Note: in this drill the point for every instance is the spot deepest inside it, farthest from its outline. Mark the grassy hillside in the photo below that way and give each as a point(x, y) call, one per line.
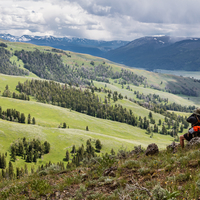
point(48, 118)
point(179, 99)
point(163, 82)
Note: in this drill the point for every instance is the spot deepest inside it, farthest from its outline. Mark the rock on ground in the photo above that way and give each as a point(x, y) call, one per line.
point(152, 149)
point(193, 142)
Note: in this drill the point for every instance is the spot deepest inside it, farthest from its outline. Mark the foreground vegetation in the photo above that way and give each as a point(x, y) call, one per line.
point(120, 175)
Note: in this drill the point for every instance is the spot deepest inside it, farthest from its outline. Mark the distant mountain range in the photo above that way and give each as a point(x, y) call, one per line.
point(80, 45)
point(161, 52)
point(150, 53)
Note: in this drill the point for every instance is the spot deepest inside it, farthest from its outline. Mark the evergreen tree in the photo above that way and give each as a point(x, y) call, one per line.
point(11, 170)
point(33, 120)
point(73, 149)
point(13, 153)
point(87, 129)
point(112, 152)
point(46, 147)
point(29, 118)
point(98, 145)
point(64, 125)
point(148, 130)
point(35, 157)
point(164, 130)
point(3, 160)
point(17, 172)
point(155, 130)
point(23, 118)
point(67, 156)
point(150, 114)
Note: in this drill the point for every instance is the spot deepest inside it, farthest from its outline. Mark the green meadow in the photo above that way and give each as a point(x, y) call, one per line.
point(48, 117)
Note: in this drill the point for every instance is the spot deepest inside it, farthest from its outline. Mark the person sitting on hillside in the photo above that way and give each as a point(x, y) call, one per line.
point(194, 119)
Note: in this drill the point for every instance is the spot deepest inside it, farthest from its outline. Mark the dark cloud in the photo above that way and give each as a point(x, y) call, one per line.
point(102, 19)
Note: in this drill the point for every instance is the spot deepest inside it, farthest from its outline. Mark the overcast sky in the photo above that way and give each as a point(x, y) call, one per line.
point(101, 19)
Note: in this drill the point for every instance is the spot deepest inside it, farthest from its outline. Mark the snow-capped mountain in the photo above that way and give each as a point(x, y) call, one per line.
point(81, 45)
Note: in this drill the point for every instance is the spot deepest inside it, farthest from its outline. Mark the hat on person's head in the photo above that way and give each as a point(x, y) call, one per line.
point(197, 111)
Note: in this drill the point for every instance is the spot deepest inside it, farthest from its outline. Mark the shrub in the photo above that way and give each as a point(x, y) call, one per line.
point(131, 164)
point(159, 193)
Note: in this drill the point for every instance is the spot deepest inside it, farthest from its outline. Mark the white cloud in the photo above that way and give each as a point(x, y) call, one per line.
point(101, 19)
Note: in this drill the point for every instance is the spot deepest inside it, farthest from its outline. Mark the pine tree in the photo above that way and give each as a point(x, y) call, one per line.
point(35, 157)
point(164, 130)
point(29, 119)
point(33, 120)
point(98, 144)
point(10, 170)
point(67, 156)
point(3, 160)
point(87, 129)
point(64, 125)
point(150, 114)
point(112, 152)
point(148, 130)
point(46, 147)
point(155, 129)
point(13, 153)
point(73, 149)
point(17, 172)
point(23, 118)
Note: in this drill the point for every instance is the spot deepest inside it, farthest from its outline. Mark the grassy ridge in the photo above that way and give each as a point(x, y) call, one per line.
point(112, 134)
point(179, 99)
point(83, 60)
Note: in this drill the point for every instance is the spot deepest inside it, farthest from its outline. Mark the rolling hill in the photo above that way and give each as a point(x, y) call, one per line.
point(121, 165)
point(50, 117)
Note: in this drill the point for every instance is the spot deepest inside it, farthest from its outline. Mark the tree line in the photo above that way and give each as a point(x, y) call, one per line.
point(158, 104)
point(15, 116)
point(82, 101)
